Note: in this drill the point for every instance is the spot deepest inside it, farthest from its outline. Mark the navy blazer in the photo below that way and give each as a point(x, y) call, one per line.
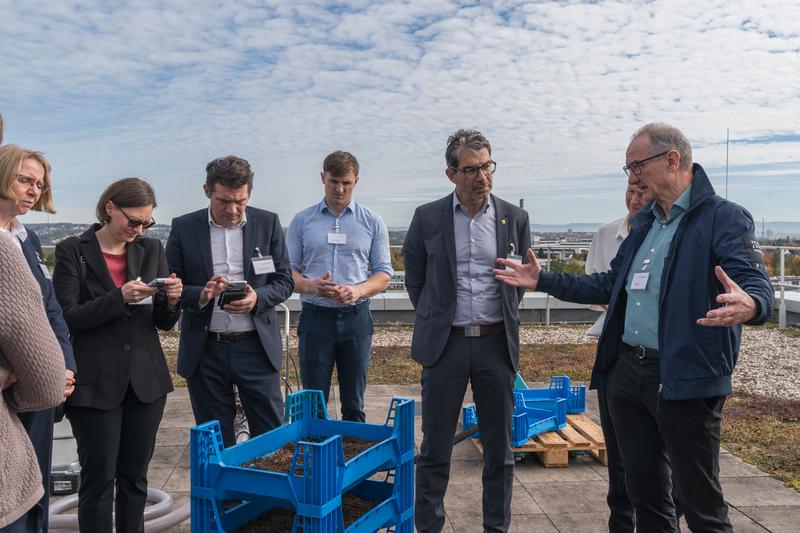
point(32, 249)
point(429, 253)
point(189, 256)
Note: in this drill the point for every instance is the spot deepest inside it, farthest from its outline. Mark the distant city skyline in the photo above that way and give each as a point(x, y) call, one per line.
point(156, 90)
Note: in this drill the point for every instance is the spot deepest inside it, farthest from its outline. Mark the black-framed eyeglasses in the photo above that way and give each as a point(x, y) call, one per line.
point(471, 172)
point(636, 166)
point(29, 182)
point(135, 222)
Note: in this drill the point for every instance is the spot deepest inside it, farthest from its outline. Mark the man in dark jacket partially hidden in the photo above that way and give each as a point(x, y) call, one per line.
point(686, 278)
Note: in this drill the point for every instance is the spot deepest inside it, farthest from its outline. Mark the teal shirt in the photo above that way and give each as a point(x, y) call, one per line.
point(641, 311)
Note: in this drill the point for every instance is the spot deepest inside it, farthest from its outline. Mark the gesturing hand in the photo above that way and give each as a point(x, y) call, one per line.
point(524, 276)
point(737, 306)
point(347, 294)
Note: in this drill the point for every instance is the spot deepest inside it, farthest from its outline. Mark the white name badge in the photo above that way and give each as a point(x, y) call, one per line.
point(263, 265)
point(337, 238)
point(639, 281)
point(45, 271)
point(514, 258)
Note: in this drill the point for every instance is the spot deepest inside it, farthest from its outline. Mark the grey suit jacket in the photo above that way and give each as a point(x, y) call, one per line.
point(189, 256)
point(430, 265)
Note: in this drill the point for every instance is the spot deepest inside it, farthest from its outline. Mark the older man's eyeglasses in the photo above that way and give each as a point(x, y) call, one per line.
point(31, 182)
point(135, 222)
point(636, 166)
point(471, 172)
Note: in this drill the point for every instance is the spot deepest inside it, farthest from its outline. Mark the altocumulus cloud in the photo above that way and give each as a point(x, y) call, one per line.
point(156, 89)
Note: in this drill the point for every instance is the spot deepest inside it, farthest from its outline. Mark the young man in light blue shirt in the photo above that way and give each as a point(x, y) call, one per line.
point(339, 254)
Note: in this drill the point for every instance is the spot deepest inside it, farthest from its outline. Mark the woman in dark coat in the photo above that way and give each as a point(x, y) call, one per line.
point(102, 280)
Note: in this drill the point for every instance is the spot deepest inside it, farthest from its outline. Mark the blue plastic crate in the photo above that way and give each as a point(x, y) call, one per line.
point(559, 387)
point(318, 475)
point(530, 418)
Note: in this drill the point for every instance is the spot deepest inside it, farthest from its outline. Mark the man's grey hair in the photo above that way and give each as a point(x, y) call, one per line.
point(664, 137)
point(470, 139)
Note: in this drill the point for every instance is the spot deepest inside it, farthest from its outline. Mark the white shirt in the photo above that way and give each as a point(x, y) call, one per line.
point(601, 252)
point(227, 256)
point(17, 232)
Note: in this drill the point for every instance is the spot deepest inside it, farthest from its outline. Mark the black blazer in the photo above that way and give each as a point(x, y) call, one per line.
point(115, 344)
point(189, 255)
point(32, 250)
point(429, 252)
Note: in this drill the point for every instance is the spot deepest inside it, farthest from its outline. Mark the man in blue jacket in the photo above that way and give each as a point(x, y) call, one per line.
point(686, 278)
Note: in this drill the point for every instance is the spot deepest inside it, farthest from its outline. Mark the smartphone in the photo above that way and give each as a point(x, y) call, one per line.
point(234, 290)
point(158, 283)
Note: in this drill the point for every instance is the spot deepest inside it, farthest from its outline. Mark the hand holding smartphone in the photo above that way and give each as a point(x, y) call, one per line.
point(234, 290)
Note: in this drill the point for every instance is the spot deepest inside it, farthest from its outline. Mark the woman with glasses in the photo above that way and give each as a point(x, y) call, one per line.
point(116, 289)
point(25, 186)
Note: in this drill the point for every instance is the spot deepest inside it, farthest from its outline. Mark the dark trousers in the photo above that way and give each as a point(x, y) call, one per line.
point(622, 518)
point(484, 362)
point(661, 440)
point(39, 425)
point(340, 336)
point(245, 364)
point(115, 445)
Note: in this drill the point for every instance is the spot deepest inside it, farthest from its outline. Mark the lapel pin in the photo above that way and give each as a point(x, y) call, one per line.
point(504, 221)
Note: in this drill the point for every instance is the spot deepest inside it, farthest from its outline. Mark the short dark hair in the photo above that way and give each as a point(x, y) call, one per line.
point(339, 163)
point(470, 139)
point(127, 192)
point(229, 171)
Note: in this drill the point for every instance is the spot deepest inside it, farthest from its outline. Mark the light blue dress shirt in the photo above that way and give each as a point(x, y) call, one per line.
point(478, 300)
point(365, 253)
point(642, 308)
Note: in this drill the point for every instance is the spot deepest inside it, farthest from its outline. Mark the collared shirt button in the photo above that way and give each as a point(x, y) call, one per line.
point(638, 303)
point(127, 347)
point(636, 332)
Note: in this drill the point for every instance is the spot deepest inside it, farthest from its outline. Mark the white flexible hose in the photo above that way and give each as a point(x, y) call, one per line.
point(157, 516)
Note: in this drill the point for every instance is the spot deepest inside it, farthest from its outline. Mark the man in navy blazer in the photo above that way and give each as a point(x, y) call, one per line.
point(466, 327)
point(238, 344)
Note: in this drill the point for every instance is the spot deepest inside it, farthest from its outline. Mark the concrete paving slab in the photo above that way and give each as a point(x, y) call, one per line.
point(531, 471)
point(580, 522)
point(758, 491)
point(519, 524)
point(775, 518)
point(570, 496)
point(379, 391)
point(739, 521)
point(166, 456)
point(468, 502)
point(732, 466)
point(172, 436)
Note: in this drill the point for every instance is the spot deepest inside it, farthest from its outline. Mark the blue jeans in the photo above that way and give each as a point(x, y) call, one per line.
point(340, 336)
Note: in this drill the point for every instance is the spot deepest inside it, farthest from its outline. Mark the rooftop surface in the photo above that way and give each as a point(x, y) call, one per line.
point(545, 500)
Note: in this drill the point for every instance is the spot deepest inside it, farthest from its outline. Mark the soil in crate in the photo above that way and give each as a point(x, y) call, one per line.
point(281, 519)
point(281, 460)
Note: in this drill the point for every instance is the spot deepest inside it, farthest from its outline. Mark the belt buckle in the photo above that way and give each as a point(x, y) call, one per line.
point(640, 352)
point(472, 331)
point(217, 336)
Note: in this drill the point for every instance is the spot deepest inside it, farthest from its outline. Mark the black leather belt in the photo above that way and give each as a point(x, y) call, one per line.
point(477, 331)
point(231, 337)
point(641, 352)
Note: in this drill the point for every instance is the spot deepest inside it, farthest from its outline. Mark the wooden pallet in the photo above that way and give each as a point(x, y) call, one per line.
point(552, 449)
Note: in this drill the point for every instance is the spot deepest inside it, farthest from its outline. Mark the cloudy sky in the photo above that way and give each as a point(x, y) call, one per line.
point(156, 89)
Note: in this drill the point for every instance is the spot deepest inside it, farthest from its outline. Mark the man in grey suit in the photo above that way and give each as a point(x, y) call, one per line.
point(466, 327)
